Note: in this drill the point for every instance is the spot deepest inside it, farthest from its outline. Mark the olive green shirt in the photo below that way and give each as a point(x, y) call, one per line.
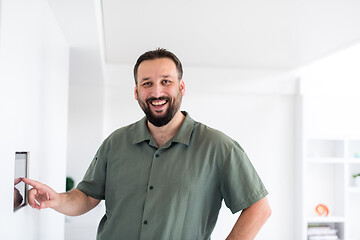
point(172, 192)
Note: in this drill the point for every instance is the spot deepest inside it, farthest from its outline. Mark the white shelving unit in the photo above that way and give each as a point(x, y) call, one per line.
point(328, 159)
point(328, 168)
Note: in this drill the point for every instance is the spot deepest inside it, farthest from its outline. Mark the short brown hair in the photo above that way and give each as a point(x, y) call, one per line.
point(158, 53)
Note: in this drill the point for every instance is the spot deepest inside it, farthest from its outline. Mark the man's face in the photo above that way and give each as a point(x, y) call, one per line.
point(159, 91)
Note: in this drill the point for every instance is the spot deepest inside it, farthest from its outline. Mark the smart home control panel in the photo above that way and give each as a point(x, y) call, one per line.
point(20, 188)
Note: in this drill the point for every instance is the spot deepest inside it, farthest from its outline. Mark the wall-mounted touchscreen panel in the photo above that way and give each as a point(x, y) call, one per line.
point(20, 188)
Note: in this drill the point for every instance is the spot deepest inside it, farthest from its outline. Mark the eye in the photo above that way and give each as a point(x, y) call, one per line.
point(146, 84)
point(166, 82)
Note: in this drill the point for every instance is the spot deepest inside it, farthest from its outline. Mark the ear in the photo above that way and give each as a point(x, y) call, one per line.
point(135, 93)
point(182, 87)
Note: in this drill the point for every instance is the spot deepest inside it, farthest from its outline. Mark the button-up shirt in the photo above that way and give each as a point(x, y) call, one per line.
point(172, 192)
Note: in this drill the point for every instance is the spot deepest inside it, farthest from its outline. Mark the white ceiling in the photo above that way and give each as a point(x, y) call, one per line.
point(277, 34)
point(252, 34)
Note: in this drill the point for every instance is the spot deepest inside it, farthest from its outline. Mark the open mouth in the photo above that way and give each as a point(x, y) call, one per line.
point(158, 102)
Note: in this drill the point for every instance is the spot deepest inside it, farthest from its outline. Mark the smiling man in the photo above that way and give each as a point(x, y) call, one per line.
point(165, 176)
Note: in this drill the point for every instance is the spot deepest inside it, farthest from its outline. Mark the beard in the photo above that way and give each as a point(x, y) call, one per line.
point(159, 121)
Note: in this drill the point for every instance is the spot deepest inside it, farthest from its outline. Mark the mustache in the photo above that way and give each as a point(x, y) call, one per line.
point(150, 99)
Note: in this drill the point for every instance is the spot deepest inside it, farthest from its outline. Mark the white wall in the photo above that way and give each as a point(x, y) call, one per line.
point(331, 89)
point(255, 107)
point(33, 103)
point(336, 75)
point(85, 126)
point(85, 132)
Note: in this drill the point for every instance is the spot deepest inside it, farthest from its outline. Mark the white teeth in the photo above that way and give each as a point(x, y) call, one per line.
point(157, 103)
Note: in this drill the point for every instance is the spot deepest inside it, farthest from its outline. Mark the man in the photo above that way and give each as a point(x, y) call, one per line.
point(165, 176)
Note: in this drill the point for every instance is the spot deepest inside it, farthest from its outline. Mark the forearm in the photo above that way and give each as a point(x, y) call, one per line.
point(75, 203)
point(250, 221)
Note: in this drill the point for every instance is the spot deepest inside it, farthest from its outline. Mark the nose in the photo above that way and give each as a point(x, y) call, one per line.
point(157, 90)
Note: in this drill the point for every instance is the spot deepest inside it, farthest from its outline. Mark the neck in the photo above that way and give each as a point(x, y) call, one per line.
point(164, 133)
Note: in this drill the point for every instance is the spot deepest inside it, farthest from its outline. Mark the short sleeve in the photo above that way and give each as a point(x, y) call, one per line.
point(241, 185)
point(93, 183)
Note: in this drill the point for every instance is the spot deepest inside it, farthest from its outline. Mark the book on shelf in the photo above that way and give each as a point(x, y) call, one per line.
point(322, 233)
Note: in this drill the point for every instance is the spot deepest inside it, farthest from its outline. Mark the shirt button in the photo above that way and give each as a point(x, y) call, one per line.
point(151, 187)
point(157, 155)
point(145, 222)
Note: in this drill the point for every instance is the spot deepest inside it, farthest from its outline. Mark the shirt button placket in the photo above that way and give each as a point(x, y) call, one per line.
point(150, 189)
point(157, 155)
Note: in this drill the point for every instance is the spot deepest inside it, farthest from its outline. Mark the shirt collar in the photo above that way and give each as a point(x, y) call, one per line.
point(141, 132)
point(185, 131)
point(183, 136)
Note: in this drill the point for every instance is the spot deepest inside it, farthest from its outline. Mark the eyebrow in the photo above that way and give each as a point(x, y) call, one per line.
point(148, 78)
point(145, 79)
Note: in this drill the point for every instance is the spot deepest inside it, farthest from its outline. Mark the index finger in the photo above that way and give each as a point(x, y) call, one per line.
point(33, 183)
